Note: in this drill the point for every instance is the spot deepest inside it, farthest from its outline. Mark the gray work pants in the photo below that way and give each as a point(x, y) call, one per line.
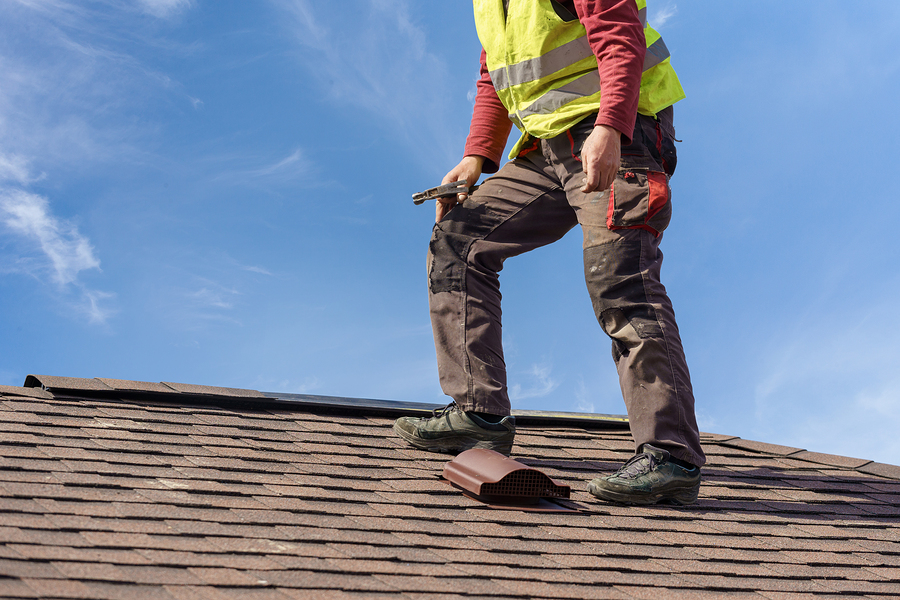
point(533, 201)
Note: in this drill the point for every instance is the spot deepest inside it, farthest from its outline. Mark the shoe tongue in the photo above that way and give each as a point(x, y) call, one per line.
point(658, 453)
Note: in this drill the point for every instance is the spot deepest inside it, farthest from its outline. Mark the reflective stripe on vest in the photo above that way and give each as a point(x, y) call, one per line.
point(560, 58)
point(559, 84)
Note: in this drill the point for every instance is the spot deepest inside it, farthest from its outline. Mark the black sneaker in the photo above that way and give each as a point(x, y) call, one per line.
point(451, 429)
point(649, 478)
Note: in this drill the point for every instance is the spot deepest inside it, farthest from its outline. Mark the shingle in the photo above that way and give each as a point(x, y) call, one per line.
point(225, 577)
point(8, 390)
point(266, 547)
point(109, 523)
point(813, 545)
point(882, 470)
point(42, 537)
point(655, 593)
point(107, 590)
point(17, 588)
point(460, 585)
point(559, 590)
point(81, 554)
point(57, 588)
point(601, 562)
point(296, 578)
point(54, 383)
point(395, 567)
point(881, 546)
point(31, 569)
point(887, 573)
point(772, 595)
point(189, 388)
point(141, 540)
point(845, 586)
point(431, 542)
point(234, 560)
point(826, 572)
point(712, 567)
point(30, 521)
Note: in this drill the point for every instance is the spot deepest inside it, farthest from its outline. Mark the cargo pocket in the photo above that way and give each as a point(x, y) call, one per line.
point(639, 199)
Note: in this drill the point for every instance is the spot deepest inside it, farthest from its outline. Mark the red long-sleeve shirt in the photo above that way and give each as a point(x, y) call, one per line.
point(616, 36)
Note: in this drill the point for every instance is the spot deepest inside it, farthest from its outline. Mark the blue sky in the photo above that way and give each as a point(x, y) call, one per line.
point(219, 193)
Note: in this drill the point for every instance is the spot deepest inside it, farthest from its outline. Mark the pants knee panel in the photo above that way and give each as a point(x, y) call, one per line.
point(451, 241)
point(448, 259)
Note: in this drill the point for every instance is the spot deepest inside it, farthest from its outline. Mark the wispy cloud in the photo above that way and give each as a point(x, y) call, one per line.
point(308, 385)
point(164, 8)
point(583, 401)
point(662, 14)
point(213, 297)
point(93, 305)
point(540, 383)
point(260, 270)
point(202, 302)
point(66, 250)
point(829, 381)
point(51, 247)
point(293, 165)
point(297, 168)
point(387, 72)
point(14, 168)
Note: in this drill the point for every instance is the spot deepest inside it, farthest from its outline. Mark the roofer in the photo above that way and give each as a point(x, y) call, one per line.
point(601, 160)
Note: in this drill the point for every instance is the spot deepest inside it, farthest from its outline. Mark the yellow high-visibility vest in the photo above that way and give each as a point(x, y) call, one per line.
point(545, 71)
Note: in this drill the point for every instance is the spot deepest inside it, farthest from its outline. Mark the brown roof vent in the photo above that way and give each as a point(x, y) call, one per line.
point(496, 479)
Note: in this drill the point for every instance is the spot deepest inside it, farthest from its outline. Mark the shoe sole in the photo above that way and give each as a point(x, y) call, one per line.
point(454, 445)
point(680, 497)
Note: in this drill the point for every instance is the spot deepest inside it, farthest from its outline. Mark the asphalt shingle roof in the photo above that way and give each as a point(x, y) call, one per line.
point(117, 489)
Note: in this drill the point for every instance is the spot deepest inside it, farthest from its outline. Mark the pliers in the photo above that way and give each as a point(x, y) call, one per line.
point(444, 191)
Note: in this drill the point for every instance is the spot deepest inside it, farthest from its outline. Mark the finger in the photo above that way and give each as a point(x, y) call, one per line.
point(607, 181)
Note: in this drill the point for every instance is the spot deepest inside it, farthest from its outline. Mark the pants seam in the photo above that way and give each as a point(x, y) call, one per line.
point(464, 296)
point(676, 390)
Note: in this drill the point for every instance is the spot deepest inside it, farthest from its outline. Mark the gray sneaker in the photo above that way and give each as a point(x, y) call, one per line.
point(450, 429)
point(649, 478)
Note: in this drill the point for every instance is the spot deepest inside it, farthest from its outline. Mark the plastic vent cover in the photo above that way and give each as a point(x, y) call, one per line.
point(493, 477)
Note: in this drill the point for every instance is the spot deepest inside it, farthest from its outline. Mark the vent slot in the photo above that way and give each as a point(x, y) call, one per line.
point(531, 483)
point(492, 477)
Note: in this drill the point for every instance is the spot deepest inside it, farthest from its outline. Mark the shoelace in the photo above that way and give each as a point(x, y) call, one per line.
point(635, 467)
point(440, 412)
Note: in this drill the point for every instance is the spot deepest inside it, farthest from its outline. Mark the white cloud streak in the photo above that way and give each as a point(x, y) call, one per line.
point(164, 8)
point(387, 72)
point(66, 250)
point(541, 384)
point(294, 165)
point(831, 384)
point(14, 168)
point(662, 15)
point(54, 246)
point(213, 297)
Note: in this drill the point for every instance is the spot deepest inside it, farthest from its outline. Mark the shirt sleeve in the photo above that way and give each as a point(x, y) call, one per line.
point(616, 35)
point(490, 125)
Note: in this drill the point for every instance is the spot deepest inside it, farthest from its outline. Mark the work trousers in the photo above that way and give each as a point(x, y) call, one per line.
point(533, 201)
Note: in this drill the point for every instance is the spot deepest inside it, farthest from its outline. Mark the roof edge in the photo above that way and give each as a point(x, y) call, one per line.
point(102, 387)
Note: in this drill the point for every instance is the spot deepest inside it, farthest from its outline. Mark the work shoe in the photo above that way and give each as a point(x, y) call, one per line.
point(649, 478)
point(450, 429)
